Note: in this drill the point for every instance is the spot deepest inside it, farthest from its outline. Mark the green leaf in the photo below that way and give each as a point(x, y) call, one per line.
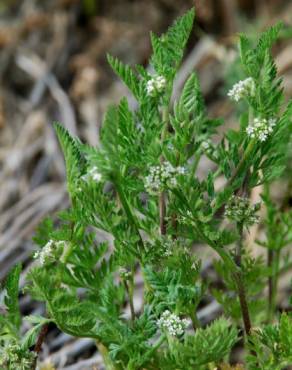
point(267, 39)
point(191, 97)
point(207, 345)
point(168, 49)
point(75, 161)
point(30, 337)
point(126, 74)
point(11, 297)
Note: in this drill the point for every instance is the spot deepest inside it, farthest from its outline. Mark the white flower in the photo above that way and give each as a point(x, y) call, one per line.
point(49, 251)
point(162, 176)
point(93, 175)
point(205, 144)
point(194, 266)
point(125, 274)
point(156, 85)
point(240, 210)
point(207, 147)
point(261, 128)
point(172, 323)
point(242, 89)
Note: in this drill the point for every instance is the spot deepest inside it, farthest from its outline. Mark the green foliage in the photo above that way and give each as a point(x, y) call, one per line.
point(126, 75)
point(273, 345)
point(75, 161)
point(168, 49)
point(208, 345)
point(15, 345)
point(89, 285)
point(11, 297)
point(255, 275)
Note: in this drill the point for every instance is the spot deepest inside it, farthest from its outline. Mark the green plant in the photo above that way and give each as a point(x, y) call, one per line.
point(140, 187)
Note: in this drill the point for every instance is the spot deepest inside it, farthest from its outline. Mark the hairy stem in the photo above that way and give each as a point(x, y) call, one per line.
point(39, 343)
point(243, 303)
point(240, 284)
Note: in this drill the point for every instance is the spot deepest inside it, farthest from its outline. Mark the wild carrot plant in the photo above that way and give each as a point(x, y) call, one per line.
point(140, 188)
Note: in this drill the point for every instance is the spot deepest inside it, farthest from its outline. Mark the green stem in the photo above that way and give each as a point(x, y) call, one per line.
point(130, 290)
point(242, 163)
point(194, 166)
point(195, 321)
point(155, 346)
point(105, 355)
point(273, 285)
point(212, 243)
point(162, 212)
point(219, 249)
point(162, 195)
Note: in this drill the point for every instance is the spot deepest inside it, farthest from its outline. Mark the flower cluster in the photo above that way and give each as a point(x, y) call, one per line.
point(261, 128)
point(242, 89)
point(125, 274)
point(172, 323)
point(168, 245)
point(15, 357)
point(238, 209)
point(92, 175)
point(49, 251)
point(186, 219)
point(207, 147)
point(156, 85)
point(162, 176)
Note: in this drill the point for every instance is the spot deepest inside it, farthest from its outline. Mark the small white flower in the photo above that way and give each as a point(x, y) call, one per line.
point(49, 251)
point(194, 266)
point(239, 209)
point(162, 176)
point(242, 89)
point(167, 253)
point(156, 85)
point(172, 323)
point(261, 128)
point(205, 144)
point(125, 274)
point(92, 175)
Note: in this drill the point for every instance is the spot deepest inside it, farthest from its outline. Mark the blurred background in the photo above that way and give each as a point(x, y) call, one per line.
point(53, 67)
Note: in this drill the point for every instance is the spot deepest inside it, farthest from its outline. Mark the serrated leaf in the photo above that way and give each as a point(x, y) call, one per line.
point(75, 161)
point(126, 74)
point(191, 97)
point(11, 297)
